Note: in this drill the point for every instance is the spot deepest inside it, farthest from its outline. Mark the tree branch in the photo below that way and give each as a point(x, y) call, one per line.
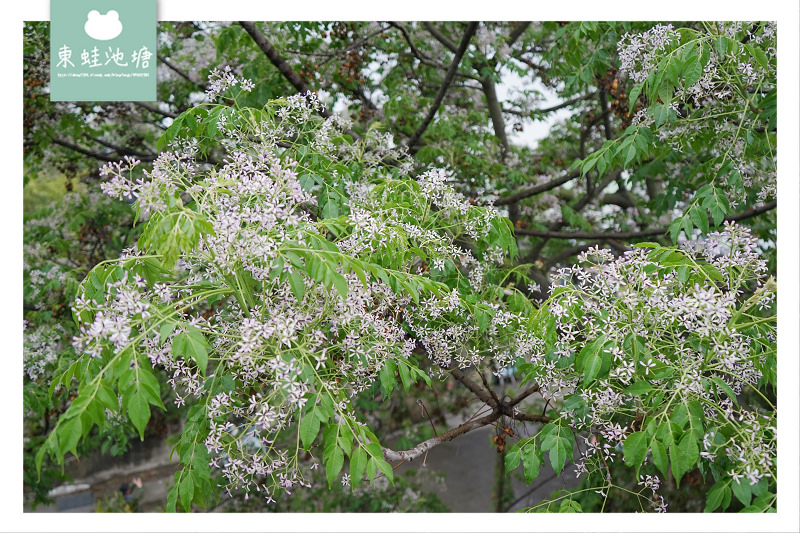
point(90, 153)
point(276, 59)
point(147, 156)
point(451, 72)
point(474, 387)
point(495, 112)
point(156, 110)
point(545, 110)
point(284, 67)
point(636, 234)
point(542, 419)
point(517, 32)
point(424, 447)
point(536, 189)
point(514, 401)
point(181, 73)
point(439, 36)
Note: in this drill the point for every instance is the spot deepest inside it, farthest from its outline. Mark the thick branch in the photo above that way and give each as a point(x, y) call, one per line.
point(543, 419)
point(474, 387)
point(536, 189)
point(414, 50)
point(636, 234)
point(439, 36)
point(451, 72)
point(284, 67)
point(495, 112)
point(423, 58)
point(423, 447)
point(517, 32)
point(562, 105)
point(521, 396)
point(605, 113)
point(276, 59)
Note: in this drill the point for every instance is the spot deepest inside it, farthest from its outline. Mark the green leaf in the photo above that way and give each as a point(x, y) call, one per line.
point(559, 441)
point(722, 45)
point(372, 469)
point(358, 464)
point(340, 283)
point(558, 456)
point(530, 463)
point(686, 225)
point(633, 96)
point(668, 432)
point(309, 428)
point(405, 375)
point(692, 71)
point(334, 465)
point(759, 56)
point(172, 496)
point(721, 385)
point(630, 154)
point(386, 376)
point(675, 230)
point(69, 433)
point(193, 345)
point(683, 456)
point(716, 496)
point(384, 467)
point(570, 506)
point(741, 489)
point(138, 412)
point(298, 285)
point(659, 456)
point(186, 490)
point(635, 449)
point(513, 455)
point(660, 114)
point(591, 367)
point(165, 331)
point(699, 218)
point(638, 388)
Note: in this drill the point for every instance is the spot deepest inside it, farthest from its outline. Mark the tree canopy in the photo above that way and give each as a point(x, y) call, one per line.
point(317, 218)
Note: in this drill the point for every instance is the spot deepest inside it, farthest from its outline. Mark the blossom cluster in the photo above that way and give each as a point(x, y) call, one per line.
point(638, 53)
point(676, 332)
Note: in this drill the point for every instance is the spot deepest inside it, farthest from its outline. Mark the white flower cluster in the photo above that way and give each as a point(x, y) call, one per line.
point(638, 52)
point(220, 81)
point(40, 348)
